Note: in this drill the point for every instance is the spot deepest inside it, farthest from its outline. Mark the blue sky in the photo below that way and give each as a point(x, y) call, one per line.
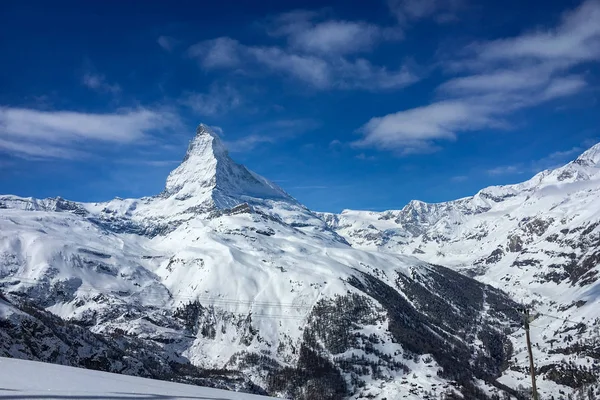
point(362, 105)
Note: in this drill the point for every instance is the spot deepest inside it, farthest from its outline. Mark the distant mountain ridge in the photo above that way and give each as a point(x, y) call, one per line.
point(474, 233)
point(225, 271)
point(538, 240)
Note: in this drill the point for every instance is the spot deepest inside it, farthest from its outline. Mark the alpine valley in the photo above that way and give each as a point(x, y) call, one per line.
point(225, 280)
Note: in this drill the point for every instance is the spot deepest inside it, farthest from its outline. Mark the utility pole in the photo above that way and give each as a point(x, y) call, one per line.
point(531, 366)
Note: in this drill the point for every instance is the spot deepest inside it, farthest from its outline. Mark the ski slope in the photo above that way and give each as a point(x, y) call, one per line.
point(20, 379)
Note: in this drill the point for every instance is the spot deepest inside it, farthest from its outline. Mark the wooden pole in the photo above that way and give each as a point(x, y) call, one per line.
point(531, 365)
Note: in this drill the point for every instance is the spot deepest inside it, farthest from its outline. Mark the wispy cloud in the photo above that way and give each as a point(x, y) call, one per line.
point(335, 144)
point(307, 68)
point(319, 51)
point(98, 83)
point(222, 52)
point(557, 159)
point(149, 163)
point(505, 170)
point(217, 101)
point(441, 11)
point(318, 71)
point(271, 132)
point(60, 134)
point(575, 39)
point(561, 155)
point(36, 150)
point(459, 178)
point(553, 160)
point(364, 157)
point(167, 43)
point(309, 187)
point(248, 143)
point(309, 32)
point(502, 77)
point(415, 130)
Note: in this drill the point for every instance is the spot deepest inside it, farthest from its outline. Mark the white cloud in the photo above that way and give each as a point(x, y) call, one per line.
point(57, 134)
point(290, 22)
point(556, 159)
point(319, 72)
point(307, 68)
point(339, 37)
point(576, 39)
point(562, 87)
point(222, 52)
point(167, 43)
point(217, 101)
point(561, 155)
point(504, 76)
point(364, 157)
point(309, 187)
point(309, 32)
point(36, 150)
point(361, 74)
point(248, 143)
point(98, 83)
point(440, 10)
point(149, 163)
point(514, 89)
point(504, 170)
point(335, 143)
point(499, 80)
point(415, 130)
point(459, 178)
point(272, 132)
point(217, 129)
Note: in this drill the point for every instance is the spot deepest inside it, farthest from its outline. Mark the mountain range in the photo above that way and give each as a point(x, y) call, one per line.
point(223, 279)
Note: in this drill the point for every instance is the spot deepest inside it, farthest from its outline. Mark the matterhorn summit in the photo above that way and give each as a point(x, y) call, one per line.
point(209, 175)
point(207, 183)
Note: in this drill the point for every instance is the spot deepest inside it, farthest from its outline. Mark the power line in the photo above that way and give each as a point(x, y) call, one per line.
point(215, 299)
point(562, 319)
point(210, 301)
point(527, 318)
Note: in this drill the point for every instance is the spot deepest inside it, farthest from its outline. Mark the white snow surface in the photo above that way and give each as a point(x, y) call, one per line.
point(21, 379)
point(231, 239)
point(226, 237)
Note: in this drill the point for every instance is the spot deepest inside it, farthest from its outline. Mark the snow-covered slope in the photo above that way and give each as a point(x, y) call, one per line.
point(553, 216)
point(538, 240)
point(246, 292)
point(226, 271)
point(29, 332)
point(20, 379)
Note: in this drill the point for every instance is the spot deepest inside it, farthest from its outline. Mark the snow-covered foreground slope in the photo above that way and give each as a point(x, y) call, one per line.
point(538, 240)
point(20, 379)
point(248, 293)
point(225, 274)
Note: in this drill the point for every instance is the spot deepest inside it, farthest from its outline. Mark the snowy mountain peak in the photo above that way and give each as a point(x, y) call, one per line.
point(206, 140)
point(210, 177)
point(591, 156)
